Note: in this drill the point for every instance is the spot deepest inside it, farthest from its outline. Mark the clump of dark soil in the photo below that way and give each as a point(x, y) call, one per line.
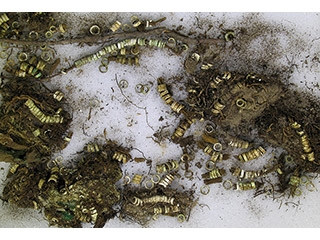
point(32, 124)
point(69, 195)
point(293, 124)
point(242, 103)
point(20, 25)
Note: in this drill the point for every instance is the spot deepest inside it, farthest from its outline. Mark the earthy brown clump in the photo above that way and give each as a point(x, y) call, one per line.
point(21, 24)
point(252, 107)
point(293, 124)
point(22, 188)
point(231, 99)
point(32, 123)
point(69, 196)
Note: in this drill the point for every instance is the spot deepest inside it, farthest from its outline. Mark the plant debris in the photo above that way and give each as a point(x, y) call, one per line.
point(239, 103)
point(243, 110)
point(69, 195)
point(33, 122)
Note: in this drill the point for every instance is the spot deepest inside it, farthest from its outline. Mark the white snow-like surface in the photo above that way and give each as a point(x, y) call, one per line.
point(126, 123)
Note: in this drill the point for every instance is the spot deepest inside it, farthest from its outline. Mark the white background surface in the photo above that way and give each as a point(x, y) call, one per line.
point(88, 87)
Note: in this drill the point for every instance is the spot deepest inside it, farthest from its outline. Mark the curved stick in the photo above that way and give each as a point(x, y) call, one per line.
point(100, 39)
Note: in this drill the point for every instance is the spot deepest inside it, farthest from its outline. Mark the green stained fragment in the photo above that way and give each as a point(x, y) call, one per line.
point(67, 216)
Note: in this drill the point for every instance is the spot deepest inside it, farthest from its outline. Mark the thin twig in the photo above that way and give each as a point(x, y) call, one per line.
point(101, 39)
point(65, 71)
point(293, 203)
point(140, 152)
point(144, 158)
point(143, 108)
point(280, 204)
point(192, 206)
point(204, 205)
